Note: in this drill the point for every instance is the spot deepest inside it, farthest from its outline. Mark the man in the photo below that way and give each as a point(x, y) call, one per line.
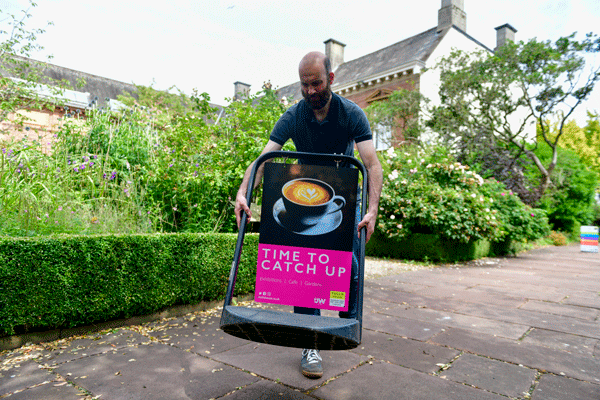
point(324, 123)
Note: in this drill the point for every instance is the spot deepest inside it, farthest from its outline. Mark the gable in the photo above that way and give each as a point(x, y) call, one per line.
point(379, 94)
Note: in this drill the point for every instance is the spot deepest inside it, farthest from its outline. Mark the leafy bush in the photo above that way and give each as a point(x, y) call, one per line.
point(519, 222)
point(428, 192)
point(557, 238)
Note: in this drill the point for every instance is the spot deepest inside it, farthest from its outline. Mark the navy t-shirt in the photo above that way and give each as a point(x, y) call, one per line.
point(344, 125)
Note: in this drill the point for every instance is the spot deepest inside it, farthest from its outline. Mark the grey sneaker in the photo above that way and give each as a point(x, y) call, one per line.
point(311, 363)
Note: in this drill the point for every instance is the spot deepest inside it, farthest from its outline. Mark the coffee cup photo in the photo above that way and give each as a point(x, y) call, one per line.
point(309, 200)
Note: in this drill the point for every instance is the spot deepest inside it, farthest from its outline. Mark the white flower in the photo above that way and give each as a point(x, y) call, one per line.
point(392, 216)
point(391, 152)
point(473, 195)
point(404, 182)
point(399, 226)
point(394, 175)
point(481, 198)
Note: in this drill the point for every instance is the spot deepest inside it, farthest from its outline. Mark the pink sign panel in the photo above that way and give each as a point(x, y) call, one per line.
point(304, 277)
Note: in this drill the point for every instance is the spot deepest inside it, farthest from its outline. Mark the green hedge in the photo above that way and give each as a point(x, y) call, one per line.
point(431, 247)
point(63, 282)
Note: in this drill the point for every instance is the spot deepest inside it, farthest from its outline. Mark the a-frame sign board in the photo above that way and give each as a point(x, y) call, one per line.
point(308, 221)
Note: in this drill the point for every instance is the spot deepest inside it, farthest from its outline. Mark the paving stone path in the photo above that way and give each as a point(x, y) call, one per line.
point(526, 327)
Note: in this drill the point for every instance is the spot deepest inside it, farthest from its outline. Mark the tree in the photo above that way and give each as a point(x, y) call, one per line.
point(523, 83)
point(21, 78)
point(398, 113)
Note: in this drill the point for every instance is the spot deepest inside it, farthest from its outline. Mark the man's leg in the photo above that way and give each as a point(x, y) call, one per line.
point(311, 362)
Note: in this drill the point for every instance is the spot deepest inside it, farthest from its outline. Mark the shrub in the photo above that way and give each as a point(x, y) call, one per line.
point(426, 191)
point(557, 238)
point(519, 222)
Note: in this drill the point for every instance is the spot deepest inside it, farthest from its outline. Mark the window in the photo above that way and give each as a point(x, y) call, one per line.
point(382, 137)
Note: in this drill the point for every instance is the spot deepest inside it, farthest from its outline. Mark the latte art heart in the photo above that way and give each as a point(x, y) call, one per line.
point(307, 193)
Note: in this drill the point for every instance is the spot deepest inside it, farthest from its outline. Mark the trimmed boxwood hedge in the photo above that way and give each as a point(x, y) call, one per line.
point(432, 247)
point(63, 282)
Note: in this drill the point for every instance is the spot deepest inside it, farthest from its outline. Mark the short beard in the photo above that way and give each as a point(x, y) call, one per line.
point(319, 100)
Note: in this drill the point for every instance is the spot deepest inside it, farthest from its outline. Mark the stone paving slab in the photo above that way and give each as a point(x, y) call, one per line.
point(49, 391)
point(95, 344)
point(282, 364)
point(407, 353)
point(443, 291)
point(585, 313)
point(563, 341)
point(153, 371)
point(527, 291)
point(533, 319)
point(552, 387)
point(400, 326)
point(397, 297)
point(383, 381)
point(267, 390)
point(473, 323)
point(529, 355)
point(482, 297)
point(584, 300)
point(454, 302)
point(491, 375)
point(22, 376)
point(201, 335)
point(392, 282)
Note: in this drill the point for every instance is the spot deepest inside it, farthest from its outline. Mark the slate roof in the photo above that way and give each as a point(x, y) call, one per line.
point(95, 87)
point(417, 48)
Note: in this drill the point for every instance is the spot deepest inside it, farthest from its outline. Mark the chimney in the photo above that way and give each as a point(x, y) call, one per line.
point(335, 51)
point(240, 90)
point(504, 33)
point(452, 13)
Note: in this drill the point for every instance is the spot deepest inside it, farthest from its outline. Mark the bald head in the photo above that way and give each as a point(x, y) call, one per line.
point(315, 59)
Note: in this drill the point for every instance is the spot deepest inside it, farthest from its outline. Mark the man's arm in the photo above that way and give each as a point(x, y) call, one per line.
point(240, 199)
point(368, 156)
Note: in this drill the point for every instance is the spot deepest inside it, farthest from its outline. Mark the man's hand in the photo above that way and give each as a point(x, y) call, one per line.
point(241, 205)
point(369, 222)
point(240, 199)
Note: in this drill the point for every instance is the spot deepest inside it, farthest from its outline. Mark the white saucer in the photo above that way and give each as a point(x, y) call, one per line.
point(327, 224)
